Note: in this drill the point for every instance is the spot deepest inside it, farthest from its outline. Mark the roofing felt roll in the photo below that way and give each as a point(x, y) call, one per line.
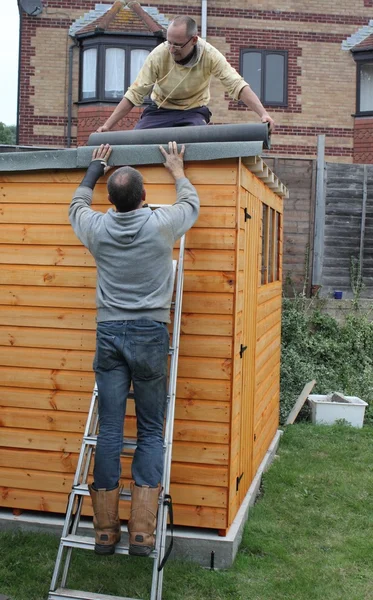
point(246, 132)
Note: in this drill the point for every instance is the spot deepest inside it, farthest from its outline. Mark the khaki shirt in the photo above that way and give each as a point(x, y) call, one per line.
point(183, 86)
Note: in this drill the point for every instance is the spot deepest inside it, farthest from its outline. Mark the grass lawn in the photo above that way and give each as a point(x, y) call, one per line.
point(309, 537)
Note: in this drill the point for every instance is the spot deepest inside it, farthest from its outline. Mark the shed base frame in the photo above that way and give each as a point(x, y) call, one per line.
point(195, 545)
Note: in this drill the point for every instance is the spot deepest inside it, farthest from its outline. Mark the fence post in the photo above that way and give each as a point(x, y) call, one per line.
point(318, 245)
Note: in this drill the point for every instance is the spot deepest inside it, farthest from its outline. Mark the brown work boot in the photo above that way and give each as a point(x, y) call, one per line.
point(143, 519)
point(105, 520)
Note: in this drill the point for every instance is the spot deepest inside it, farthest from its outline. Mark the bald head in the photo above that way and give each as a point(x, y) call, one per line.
point(126, 189)
point(188, 25)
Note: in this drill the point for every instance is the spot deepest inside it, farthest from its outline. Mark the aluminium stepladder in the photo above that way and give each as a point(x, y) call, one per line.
point(70, 538)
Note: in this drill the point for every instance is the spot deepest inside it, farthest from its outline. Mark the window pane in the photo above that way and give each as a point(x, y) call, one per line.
point(114, 73)
point(264, 267)
point(274, 78)
point(137, 60)
point(89, 73)
point(366, 87)
point(252, 70)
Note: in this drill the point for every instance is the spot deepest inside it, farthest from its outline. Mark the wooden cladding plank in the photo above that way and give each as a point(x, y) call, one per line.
point(65, 442)
point(191, 388)
point(271, 320)
point(46, 235)
point(192, 324)
point(60, 297)
point(205, 368)
point(204, 345)
point(195, 324)
point(209, 260)
point(66, 463)
point(191, 431)
point(185, 515)
point(65, 381)
point(49, 379)
point(75, 360)
point(60, 483)
point(196, 280)
point(70, 257)
point(196, 302)
point(40, 460)
point(209, 281)
point(50, 193)
point(48, 275)
point(268, 337)
point(37, 337)
point(274, 349)
point(55, 401)
point(57, 214)
point(269, 291)
point(268, 308)
point(70, 339)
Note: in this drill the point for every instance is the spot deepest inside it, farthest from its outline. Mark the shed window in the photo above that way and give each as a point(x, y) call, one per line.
point(271, 224)
point(266, 72)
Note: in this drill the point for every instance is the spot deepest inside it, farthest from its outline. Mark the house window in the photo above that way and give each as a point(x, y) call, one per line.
point(266, 72)
point(364, 95)
point(108, 66)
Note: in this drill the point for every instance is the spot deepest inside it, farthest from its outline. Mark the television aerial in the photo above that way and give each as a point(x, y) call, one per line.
point(31, 7)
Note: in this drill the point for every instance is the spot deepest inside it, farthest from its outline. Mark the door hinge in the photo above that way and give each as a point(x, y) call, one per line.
point(242, 350)
point(238, 481)
point(247, 216)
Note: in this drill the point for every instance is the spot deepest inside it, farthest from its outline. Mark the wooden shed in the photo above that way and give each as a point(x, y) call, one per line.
point(228, 383)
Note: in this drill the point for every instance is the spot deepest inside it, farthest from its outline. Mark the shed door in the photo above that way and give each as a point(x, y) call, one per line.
point(251, 282)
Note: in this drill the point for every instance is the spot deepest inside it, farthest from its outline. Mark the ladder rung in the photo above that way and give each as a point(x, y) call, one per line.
point(128, 443)
point(87, 543)
point(63, 593)
point(82, 490)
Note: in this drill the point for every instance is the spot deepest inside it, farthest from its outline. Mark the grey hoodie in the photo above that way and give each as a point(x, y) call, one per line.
point(133, 252)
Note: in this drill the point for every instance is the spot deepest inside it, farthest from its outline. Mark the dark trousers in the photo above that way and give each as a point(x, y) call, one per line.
point(155, 118)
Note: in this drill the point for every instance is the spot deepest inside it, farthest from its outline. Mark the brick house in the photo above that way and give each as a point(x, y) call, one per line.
point(310, 62)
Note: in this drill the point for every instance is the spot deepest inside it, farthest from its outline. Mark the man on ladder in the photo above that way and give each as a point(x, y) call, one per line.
point(132, 246)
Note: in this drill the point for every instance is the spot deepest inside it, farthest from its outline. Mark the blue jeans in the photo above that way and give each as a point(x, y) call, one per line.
point(128, 351)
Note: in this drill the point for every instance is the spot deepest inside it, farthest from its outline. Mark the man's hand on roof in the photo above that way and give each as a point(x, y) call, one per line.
point(267, 119)
point(174, 160)
point(102, 129)
point(102, 153)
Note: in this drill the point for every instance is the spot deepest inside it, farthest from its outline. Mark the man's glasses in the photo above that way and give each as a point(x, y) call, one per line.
point(178, 46)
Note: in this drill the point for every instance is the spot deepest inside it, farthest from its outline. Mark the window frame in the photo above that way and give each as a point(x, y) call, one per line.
point(265, 53)
point(102, 43)
point(360, 59)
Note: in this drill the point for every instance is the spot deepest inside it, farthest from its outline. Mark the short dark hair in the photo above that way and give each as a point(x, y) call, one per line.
point(191, 25)
point(125, 187)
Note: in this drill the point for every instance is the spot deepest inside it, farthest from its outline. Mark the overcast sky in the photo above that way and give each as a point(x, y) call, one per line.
point(9, 18)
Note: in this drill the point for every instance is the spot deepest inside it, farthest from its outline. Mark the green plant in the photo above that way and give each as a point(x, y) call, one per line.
point(339, 356)
point(356, 280)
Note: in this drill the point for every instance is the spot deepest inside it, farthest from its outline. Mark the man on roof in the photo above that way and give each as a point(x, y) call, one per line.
point(177, 76)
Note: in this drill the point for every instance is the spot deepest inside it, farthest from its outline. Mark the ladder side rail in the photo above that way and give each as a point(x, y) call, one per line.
point(72, 497)
point(162, 532)
point(86, 434)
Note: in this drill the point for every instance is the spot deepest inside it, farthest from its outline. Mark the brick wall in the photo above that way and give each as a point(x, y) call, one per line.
point(363, 140)
point(90, 117)
point(320, 98)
